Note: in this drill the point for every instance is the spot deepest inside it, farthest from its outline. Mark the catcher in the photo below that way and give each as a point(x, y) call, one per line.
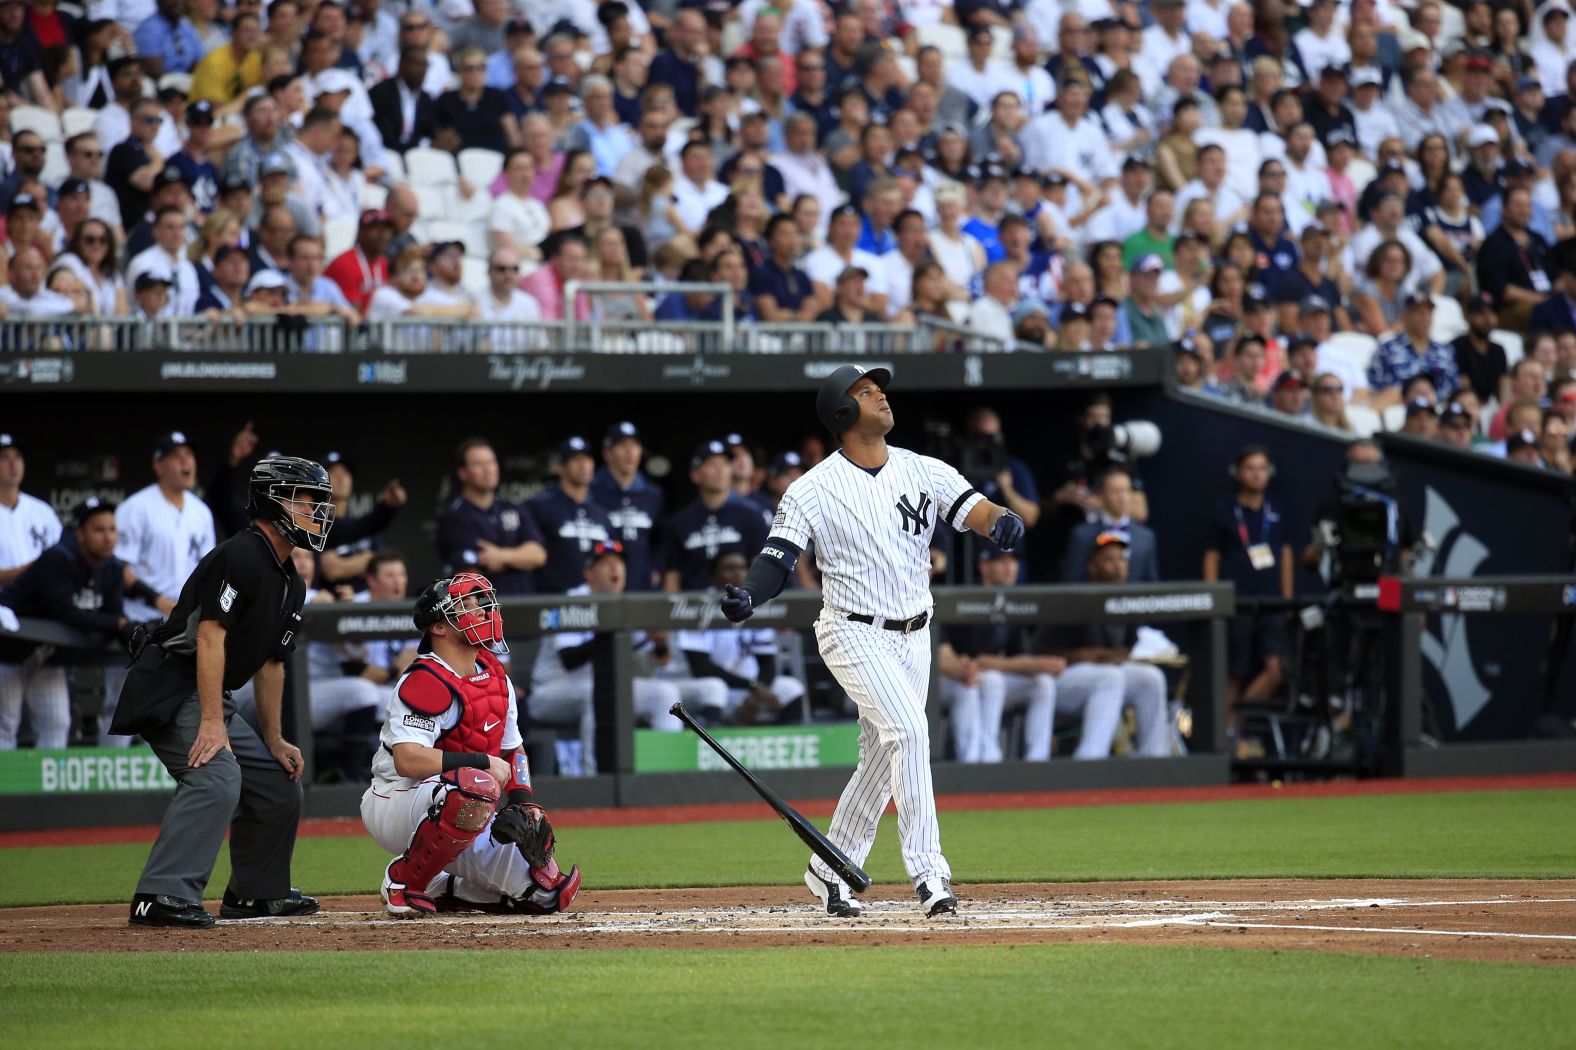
point(451, 789)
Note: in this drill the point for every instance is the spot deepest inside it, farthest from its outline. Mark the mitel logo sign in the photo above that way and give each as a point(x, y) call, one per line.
point(569, 618)
point(383, 373)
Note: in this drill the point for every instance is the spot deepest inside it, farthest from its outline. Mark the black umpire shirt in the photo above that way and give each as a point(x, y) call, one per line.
point(252, 593)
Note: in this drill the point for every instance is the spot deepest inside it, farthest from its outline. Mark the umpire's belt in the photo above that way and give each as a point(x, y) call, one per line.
point(908, 626)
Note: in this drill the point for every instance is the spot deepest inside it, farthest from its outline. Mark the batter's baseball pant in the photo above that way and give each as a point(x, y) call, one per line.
point(48, 700)
point(243, 790)
point(887, 674)
point(1001, 690)
point(481, 874)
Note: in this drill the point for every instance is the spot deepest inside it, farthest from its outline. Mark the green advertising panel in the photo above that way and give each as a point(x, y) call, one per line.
point(82, 771)
point(767, 747)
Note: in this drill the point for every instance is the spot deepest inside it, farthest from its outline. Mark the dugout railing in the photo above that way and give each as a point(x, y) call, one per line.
point(1194, 614)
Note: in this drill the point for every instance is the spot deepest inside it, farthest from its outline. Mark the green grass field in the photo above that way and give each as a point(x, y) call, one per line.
point(1039, 996)
point(1049, 995)
point(1495, 834)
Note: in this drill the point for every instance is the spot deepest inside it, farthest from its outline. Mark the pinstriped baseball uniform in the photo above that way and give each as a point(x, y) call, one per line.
point(872, 533)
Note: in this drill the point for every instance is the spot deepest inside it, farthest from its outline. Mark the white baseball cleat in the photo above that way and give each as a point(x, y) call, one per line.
point(833, 895)
point(936, 897)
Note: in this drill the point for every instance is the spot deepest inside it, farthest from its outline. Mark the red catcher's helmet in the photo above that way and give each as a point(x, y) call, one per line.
point(466, 602)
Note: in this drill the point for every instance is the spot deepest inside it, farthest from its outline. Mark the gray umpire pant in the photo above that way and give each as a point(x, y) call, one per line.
point(244, 790)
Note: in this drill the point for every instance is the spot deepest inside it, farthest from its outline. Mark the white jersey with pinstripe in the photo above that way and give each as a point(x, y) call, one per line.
point(872, 537)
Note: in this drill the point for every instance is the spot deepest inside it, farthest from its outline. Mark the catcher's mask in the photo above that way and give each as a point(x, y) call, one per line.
point(466, 602)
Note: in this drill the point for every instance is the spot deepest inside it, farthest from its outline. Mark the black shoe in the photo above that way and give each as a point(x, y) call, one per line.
point(833, 895)
point(233, 907)
point(935, 897)
point(149, 909)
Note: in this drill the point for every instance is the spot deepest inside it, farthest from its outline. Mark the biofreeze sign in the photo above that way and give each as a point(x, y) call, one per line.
point(82, 771)
point(766, 747)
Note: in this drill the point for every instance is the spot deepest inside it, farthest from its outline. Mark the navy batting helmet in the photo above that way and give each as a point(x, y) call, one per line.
point(833, 404)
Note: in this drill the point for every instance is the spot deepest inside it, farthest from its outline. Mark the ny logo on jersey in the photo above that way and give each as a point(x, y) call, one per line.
point(39, 536)
point(195, 548)
point(915, 519)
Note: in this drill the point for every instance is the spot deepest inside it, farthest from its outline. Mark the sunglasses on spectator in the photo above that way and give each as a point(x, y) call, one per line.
point(29, 149)
point(94, 239)
point(505, 269)
point(1329, 390)
point(149, 120)
point(415, 25)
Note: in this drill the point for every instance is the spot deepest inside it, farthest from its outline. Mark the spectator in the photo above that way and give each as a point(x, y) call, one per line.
point(1101, 678)
point(480, 531)
point(263, 141)
point(696, 192)
point(85, 157)
point(167, 255)
point(1308, 277)
point(990, 316)
point(1422, 419)
point(718, 521)
point(1412, 352)
point(90, 255)
point(473, 116)
point(601, 133)
point(1329, 402)
point(570, 523)
point(309, 291)
point(1480, 360)
point(504, 301)
point(804, 170)
point(566, 253)
point(1554, 442)
point(26, 298)
point(825, 265)
point(980, 77)
point(518, 220)
point(987, 667)
point(405, 114)
point(1289, 394)
point(782, 291)
point(1379, 295)
point(167, 41)
point(1455, 426)
point(1513, 265)
point(679, 65)
point(849, 300)
point(1521, 446)
point(225, 74)
point(1113, 492)
point(150, 299)
point(1210, 184)
point(135, 163)
point(645, 153)
point(1145, 317)
point(1248, 547)
point(364, 268)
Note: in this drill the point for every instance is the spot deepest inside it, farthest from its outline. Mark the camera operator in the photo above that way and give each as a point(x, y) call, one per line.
point(1361, 515)
point(1003, 478)
point(1073, 498)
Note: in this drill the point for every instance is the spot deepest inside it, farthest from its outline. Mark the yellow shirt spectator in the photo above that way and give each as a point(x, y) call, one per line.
point(226, 73)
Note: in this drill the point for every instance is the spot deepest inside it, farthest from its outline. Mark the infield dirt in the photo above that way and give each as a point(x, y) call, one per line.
point(1488, 920)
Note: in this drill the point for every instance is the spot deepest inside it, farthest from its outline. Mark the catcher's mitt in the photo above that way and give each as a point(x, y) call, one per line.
point(527, 828)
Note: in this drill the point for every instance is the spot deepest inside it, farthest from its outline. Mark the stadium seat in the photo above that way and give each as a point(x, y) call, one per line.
point(1364, 420)
point(56, 167)
point(907, 66)
point(1361, 172)
point(1001, 44)
point(1394, 417)
point(464, 232)
point(480, 166)
point(432, 202)
point(76, 120)
point(374, 196)
point(394, 164)
point(1511, 341)
point(38, 120)
point(949, 40)
point(431, 167)
point(473, 275)
point(1353, 350)
point(1449, 322)
point(338, 236)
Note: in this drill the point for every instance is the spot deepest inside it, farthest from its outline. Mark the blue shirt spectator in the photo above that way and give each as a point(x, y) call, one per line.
point(169, 39)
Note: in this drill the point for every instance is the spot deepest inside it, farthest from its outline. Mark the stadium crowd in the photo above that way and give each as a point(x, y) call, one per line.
point(1317, 203)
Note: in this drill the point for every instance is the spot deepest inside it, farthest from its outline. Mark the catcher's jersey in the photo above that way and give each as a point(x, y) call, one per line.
point(405, 725)
point(872, 531)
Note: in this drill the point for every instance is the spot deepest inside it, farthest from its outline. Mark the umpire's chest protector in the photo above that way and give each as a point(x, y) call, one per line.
point(483, 700)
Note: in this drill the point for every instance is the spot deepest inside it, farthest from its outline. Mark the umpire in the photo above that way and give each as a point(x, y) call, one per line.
point(238, 617)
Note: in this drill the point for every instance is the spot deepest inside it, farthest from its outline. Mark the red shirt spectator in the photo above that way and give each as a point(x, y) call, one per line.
point(566, 261)
point(364, 268)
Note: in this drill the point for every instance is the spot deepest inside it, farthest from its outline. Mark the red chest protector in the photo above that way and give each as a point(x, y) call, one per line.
point(430, 688)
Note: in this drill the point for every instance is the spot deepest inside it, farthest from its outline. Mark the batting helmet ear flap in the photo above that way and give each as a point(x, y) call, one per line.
point(833, 403)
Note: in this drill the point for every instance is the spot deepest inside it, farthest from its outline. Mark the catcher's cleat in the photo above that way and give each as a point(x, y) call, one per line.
point(401, 901)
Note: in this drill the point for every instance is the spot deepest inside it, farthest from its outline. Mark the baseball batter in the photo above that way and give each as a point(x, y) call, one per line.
point(451, 789)
point(871, 510)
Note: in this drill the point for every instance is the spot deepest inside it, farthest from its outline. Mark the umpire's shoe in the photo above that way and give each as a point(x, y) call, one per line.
point(297, 903)
point(834, 895)
point(159, 909)
point(936, 897)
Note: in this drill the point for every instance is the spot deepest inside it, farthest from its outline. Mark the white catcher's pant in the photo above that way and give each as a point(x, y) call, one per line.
point(1100, 691)
point(887, 674)
point(483, 873)
point(48, 701)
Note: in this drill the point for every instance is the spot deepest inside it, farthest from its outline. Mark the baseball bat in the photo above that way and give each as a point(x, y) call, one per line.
point(808, 833)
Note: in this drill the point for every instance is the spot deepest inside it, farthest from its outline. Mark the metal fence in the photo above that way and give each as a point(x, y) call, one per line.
point(604, 331)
